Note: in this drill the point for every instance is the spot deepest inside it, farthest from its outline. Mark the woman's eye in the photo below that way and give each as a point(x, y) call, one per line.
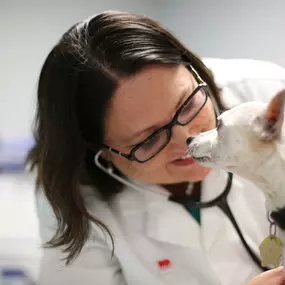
point(187, 108)
point(150, 143)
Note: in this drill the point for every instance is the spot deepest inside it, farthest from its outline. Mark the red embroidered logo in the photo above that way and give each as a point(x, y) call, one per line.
point(164, 264)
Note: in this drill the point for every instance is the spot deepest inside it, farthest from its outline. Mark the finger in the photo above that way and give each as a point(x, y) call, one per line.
point(279, 271)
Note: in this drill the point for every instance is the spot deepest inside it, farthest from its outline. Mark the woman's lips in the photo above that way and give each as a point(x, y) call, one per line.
point(183, 162)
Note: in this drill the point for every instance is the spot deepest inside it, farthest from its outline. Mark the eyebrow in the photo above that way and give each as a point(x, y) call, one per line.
point(156, 127)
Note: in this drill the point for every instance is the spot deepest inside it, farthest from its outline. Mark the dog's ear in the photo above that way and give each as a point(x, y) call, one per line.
point(268, 126)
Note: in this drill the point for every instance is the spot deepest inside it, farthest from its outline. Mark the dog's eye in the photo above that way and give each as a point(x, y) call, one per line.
point(219, 123)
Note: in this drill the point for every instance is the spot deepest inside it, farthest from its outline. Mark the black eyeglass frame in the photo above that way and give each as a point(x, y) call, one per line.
point(168, 127)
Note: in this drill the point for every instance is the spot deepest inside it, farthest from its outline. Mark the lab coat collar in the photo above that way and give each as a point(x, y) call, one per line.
point(170, 222)
point(165, 221)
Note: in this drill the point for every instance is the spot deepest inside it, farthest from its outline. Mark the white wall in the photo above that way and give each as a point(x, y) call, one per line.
point(220, 28)
point(28, 30)
point(228, 28)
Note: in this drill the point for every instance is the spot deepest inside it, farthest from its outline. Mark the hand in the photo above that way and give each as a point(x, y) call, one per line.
point(271, 277)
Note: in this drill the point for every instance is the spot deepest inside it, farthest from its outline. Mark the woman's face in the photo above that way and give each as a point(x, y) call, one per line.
point(141, 105)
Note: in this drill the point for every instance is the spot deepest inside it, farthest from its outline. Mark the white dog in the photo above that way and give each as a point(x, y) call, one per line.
point(250, 141)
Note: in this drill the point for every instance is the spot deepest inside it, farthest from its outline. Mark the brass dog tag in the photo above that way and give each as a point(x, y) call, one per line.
point(271, 251)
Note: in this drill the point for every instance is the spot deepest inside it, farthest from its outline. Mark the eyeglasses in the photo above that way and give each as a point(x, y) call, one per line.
point(156, 142)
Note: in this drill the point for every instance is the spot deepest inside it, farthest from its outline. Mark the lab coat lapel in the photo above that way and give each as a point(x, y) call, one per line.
point(213, 219)
point(167, 221)
point(170, 222)
point(215, 222)
point(151, 221)
point(218, 232)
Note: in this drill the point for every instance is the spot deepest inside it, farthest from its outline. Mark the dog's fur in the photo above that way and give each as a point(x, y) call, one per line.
point(250, 141)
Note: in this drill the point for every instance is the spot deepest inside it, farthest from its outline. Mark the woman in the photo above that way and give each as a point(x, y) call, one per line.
point(119, 97)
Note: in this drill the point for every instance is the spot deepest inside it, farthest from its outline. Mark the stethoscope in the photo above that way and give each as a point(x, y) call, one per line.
point(220, 201)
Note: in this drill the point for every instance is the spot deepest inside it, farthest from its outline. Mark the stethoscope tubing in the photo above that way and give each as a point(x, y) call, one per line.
point(220, 201)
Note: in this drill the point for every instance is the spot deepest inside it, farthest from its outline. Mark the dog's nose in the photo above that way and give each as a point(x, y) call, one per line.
point(189, 140)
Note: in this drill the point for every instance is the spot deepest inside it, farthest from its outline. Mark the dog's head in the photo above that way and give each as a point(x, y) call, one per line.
point(245, 138)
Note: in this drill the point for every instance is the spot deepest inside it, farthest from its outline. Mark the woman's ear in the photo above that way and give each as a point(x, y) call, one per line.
point(268, 126)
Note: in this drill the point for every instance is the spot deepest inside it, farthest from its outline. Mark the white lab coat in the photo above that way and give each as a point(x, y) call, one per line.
point(149, 230)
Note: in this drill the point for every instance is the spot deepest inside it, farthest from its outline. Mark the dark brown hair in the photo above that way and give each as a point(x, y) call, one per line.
point(78, 78)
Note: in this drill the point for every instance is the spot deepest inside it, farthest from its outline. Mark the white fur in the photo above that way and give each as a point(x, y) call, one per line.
point(244, 145)
point(239, 146)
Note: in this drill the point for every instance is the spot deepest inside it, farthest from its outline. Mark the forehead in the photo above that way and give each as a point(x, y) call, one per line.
point(146, 98)
point(150, 85)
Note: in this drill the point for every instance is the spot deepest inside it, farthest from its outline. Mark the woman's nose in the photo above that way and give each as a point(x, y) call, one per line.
point(181, 135)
